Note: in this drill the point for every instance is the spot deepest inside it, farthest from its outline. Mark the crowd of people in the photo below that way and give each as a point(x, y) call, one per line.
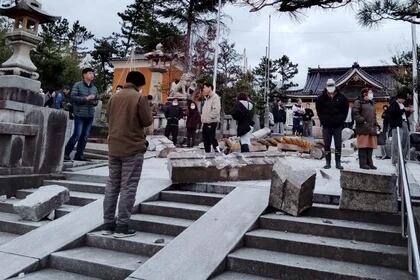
point(130, 115)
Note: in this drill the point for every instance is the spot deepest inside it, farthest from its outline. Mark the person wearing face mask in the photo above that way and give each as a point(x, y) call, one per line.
point(173, 113)
point(364, 114)
point(193, 123)
point(398, 118)
point(332, 109)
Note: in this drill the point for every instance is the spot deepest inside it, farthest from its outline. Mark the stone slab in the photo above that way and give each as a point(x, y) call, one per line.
point(18, 129)
point(369, 201)
point(195, 167)
point(42, 202)
point(10, 264)
point(205, 244)
point(368, 180)
point(292, 187)
point(14, 81)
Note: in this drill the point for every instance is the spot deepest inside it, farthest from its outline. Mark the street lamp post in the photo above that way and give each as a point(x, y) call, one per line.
point(415, 73)
point(267, 90)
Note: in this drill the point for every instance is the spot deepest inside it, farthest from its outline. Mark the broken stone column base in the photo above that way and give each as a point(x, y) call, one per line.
point(292, 188)
point(368, 190)
point(194, 167)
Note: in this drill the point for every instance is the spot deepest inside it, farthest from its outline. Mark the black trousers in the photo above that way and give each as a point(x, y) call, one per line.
point(172, 130)
point(328, 134)
point(209, 136)
point(191, 137)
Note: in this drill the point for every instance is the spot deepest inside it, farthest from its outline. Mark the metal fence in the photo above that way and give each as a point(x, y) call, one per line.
point(407, 216)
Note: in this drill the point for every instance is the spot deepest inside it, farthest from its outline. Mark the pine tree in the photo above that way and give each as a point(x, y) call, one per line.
point(369, 12)
point(141, 27)
point(104, 49)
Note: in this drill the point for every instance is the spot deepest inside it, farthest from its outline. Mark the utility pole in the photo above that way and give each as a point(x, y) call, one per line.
point(415, 73)
point(267, 91)
point(216, 55)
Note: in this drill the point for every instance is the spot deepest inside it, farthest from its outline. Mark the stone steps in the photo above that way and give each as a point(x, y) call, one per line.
point(229, 275)
point(159, 224)
point(88, 178)
point(96, 262)
point(143, 243)
point(78, 186)
point(174, 209)
point(200, 198)
point(327, 247)
point(12, 223)
point(358, 231)
point(281, 265)
point(76, 198)
point(206, 188)
point(333, 212)
point(49, 274)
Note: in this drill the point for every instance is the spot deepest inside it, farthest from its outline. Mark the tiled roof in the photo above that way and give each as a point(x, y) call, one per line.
point(382, 76)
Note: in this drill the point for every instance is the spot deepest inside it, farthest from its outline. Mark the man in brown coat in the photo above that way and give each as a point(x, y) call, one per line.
point(128, 114)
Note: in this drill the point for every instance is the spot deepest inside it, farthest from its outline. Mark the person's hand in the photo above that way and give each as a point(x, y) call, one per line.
point(91, 97)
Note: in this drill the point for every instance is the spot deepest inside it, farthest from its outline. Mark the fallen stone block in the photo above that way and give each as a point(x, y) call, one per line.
point(194, 167)
point(292, 188)
point(161, 144)
point(368, 190)
point(39, 204)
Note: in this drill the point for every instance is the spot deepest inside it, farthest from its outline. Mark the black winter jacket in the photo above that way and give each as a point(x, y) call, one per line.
point(173, 114)
point(279, 114)
point(244, 118)
point(332, 112)
point(395, 115)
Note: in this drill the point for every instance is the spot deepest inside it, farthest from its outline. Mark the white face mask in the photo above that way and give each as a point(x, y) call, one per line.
point(175, 103)
point(331, 89)
point(370, 95)
point(192, 107)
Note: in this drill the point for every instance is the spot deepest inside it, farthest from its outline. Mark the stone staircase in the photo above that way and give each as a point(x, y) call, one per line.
point(104, 257)
point(325, 243)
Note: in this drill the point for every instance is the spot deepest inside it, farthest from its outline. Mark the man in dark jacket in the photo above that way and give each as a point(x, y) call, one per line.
point(279, 114)
point(84, 96)
point(398, 118)
point(332, 108)
point(173, 113)
point(128, 115)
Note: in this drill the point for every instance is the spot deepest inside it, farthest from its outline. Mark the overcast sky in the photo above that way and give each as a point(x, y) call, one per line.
point(327, 39)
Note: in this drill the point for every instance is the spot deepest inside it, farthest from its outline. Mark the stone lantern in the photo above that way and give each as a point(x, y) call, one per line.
point(28, 15)
point(32, 137)
point(158, 59)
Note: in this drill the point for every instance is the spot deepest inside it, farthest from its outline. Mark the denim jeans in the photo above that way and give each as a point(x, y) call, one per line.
point(80, 135)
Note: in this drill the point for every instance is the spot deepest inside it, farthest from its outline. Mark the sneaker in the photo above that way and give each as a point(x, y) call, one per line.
point(327, 166)
point(108, 229)
point(123, 231)
point(67, 157)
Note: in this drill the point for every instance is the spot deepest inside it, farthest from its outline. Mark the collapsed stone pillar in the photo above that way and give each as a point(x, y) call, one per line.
point(292, 188)
point(193, 167)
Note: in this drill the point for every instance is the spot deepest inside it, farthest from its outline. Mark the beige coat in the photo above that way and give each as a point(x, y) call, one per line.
point(211, 110)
